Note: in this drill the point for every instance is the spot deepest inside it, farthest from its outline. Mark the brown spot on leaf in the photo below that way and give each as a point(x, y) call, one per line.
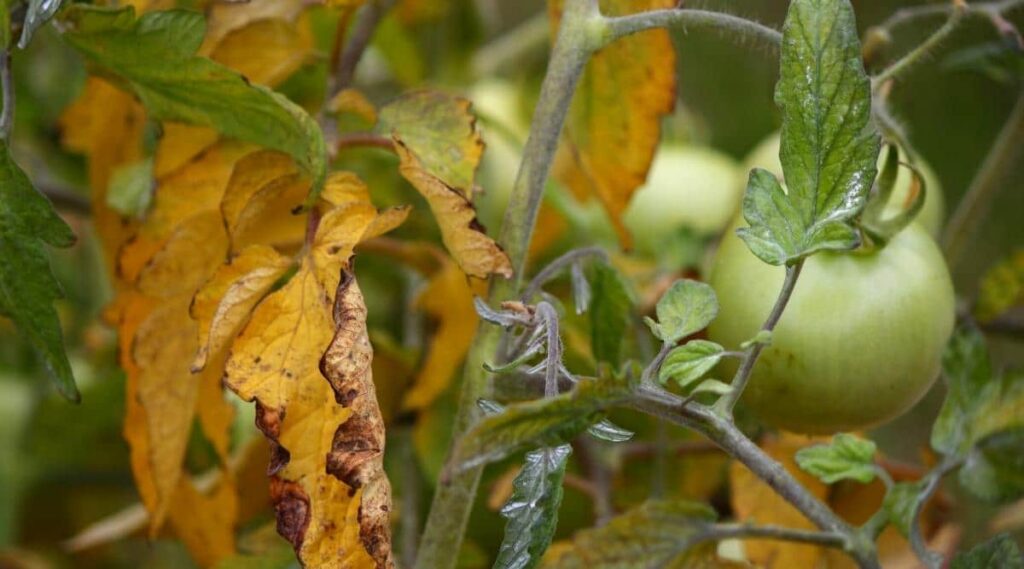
point(291, 505)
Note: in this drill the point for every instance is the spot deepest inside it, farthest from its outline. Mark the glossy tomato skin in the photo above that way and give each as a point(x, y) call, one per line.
point(766, 155)
point(860, 341)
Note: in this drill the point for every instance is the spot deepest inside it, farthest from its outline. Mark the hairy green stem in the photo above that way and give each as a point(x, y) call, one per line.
point(977, 202)
point(922, 51)
point(931, 559)
point(724, 433)
point(719, 532)
point(727, 403)
point(453, 500)
point(7, 89)
point(687, 19)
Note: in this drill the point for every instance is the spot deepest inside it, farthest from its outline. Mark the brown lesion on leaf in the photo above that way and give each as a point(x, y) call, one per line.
point(268, 421)
point(291, 505)
point(356, 456)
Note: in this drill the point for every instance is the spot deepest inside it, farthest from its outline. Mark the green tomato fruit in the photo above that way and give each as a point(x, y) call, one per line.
point(689, 187)
point(766, 155)
point(860, 341)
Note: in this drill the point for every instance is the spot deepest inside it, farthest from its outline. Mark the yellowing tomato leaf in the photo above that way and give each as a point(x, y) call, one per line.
point(614, 124)
point(1001, 288)
point(28, 223)
point(265, 52)
point(440, 131)
point(223, 18)
point(469, 245)
point(155, 55)
point(226, 300)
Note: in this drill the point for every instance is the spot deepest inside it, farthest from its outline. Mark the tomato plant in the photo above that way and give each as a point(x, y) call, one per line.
point(318, 283)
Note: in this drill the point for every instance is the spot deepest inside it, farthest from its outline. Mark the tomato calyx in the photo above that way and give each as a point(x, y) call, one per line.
point(877, 223)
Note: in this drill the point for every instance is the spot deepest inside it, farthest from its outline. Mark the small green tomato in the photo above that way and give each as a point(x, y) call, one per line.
point(688, 187)
point(860, 341)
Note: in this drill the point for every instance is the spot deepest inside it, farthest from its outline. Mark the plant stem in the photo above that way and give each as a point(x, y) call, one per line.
point(7, 89)
point(719, 532)
point(453, 501)
point(554, 267)
point(975, 205)
point(723, 432)
point(727, 403)
point(364, 140)
point(686, 19)
point(922, 51)
point(345, 71)
point(906, 16)
point(931, 559)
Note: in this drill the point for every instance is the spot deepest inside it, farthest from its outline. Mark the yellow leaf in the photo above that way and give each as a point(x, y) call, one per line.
point(261, 201)
point(448, 298)
point(1001, 288)
point(105, 124)
point(327, 481)
point(614, 127)
point(755, 502)
point(205, 522)
point(186, 259)
point(473, 250)
point(266, 52)
point(354, 102)
point(226, 300)
point(180, 144)
point(226, 17)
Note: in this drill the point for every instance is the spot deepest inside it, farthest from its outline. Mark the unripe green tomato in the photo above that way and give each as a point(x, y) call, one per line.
point(766, 155)
point(860, 341)
point(688, 186)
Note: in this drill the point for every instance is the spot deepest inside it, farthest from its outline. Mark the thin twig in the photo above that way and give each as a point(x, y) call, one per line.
point(651, 371)
point(364, 140)
point(719, 532)
point(687, 19)
point(7, 89)
point(728, 401)
point(922, 51)
point(975, 205)
point(362, 33)
point(554, 267)
point(906, 16)
point(599, 477)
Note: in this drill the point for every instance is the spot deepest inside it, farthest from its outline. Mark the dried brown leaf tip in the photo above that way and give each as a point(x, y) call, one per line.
point(357, 452)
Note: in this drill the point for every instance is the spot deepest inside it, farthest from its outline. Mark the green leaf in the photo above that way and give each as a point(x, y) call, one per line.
point(610, 432)
point(899, 504)
point(1001, 551)
point(27, 287)
point(441, 131)
point(532, 510)
point(656, 534)
point(690, 362)
point(829, 146)
point(763, 337)
point(131, 188)
point(982, 420)
point(610, 310)
point(155, 56)
point(542, 422)
point(1001, 288)
point(38, 13)
point(880, 225)
point(847, 457)
point(687, 307)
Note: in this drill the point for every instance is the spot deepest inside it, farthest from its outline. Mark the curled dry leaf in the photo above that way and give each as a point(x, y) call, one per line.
point(614, 126)
point(465, 238)
point(323, 422)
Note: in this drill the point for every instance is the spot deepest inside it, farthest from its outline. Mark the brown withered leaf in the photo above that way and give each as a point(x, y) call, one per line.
point(463, 236)
point(614, 126)
point(357, 452)
point(448, 298)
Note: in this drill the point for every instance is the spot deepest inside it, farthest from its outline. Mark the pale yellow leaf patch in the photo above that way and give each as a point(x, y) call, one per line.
point(226, 17)
point(221, 306)
point(353, 101)
point(180, 144)
point(448, 298)
point(266, 52)
point(186, 259)
point(613, 126)
point(464, 237)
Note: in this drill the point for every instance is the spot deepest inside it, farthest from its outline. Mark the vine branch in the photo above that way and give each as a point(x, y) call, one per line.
point(727, 403)
point(685, 19)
